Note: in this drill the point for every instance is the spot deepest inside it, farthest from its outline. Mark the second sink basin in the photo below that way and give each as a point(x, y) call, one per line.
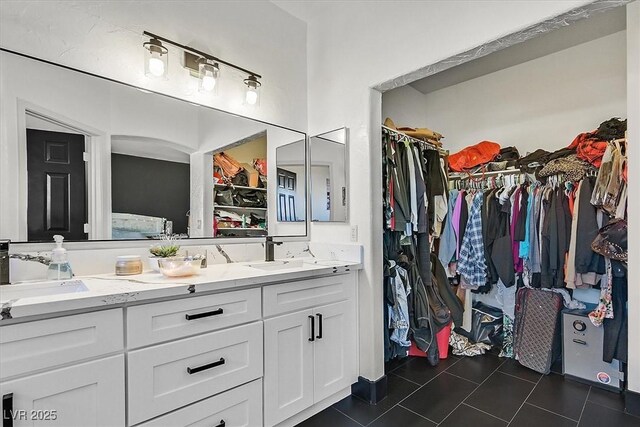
point(31, 290)
point(277, 265)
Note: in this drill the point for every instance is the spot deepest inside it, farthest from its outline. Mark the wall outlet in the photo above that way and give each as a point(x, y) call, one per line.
point(354, 233)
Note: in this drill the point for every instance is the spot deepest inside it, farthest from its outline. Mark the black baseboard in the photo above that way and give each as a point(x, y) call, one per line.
point(632, 402)
point(370, 391)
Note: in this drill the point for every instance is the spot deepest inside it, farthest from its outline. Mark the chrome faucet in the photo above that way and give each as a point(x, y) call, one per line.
point(268, 248)
point(4, 262)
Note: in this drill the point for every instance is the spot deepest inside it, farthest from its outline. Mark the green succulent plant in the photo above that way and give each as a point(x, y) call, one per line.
point(167, 248)
point(164, 251)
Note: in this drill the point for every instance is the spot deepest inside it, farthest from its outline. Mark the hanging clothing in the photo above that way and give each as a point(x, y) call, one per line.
point(399, 311)
point(448, 246)
point(472, 266)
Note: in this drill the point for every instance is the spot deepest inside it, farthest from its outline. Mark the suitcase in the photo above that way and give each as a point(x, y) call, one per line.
point(537, 328)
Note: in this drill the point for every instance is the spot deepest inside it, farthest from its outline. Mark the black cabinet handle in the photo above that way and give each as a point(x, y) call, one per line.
point(579, 342)
point(205, 314)
point(205, 367)
point(222, 424)
point(313, 328)
point(7, 410)
point(319, 336)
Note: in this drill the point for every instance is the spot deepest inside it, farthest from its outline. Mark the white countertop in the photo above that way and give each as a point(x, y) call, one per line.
point(109, 289)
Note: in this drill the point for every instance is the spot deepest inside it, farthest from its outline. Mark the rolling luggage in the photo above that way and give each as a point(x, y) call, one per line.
point(537, 328)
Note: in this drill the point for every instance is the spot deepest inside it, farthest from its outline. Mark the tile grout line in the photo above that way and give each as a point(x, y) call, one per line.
point(404, 378)
point(405, 398)
point(340, 412)
point(473, 391)
point(612, 409)
point(463, 378)
point(585, 405)
point(515, 376)
point(414, 412)
point(525, 400)
point(551, 412)
point(485, 412)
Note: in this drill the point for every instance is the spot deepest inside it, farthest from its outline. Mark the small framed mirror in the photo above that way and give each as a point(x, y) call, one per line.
point(329, 176)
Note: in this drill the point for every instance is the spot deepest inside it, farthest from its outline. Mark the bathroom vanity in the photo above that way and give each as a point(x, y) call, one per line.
point(241, 344)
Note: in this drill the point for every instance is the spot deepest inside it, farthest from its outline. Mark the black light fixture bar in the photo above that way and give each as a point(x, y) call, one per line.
point(200, 53)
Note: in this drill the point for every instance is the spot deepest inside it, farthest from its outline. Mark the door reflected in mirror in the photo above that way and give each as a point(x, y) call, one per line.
point(292, 182)
point(329, 176)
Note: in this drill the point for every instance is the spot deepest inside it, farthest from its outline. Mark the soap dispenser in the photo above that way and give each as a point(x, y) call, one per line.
point(59, 269)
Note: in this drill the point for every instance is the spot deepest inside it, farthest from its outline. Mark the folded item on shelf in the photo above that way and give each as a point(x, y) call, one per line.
point(613, 128)
point(229, 166)
point(474, 155)
point(571, 166)
point(424, 134)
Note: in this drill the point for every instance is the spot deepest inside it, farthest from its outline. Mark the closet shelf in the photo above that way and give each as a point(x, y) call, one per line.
point(239, 208)
point(239, 187)
point(426, 144)
point(460, 175)
point(242, 229)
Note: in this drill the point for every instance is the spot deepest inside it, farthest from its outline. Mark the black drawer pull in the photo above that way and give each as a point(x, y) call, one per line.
point(205, 314)
point(579, 342)
point(7, 410)
point(222, 424)
point(319, 336)
point(205, 367)
point(313, 329)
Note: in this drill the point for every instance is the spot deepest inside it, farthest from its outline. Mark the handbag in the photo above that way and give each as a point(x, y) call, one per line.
point(611, 241)
point(229, 166)
point(250, 199)
point(223, 197)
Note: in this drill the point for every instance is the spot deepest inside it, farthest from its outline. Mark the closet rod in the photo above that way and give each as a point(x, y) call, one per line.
point(428, 145)
point(480, 174)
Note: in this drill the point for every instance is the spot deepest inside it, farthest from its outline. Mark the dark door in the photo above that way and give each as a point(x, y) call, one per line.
point(286, 195)
point(57, 201)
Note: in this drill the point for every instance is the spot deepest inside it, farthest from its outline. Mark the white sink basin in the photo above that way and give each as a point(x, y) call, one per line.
point(31, 290)
point(277, 265)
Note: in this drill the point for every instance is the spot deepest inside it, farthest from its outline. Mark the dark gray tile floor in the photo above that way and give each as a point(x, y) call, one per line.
point(481, 391)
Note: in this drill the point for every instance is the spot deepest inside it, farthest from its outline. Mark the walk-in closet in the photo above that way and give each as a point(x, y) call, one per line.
point(505, 228)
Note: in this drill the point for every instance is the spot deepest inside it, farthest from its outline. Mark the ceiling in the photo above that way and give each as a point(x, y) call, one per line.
point(582, 31)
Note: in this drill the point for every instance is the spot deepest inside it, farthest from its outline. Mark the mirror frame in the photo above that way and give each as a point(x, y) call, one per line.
point(196, 241)
point(347, 176)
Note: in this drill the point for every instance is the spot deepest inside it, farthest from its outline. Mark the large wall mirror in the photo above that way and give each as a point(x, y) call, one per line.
point(329, 176)
point(94, 159)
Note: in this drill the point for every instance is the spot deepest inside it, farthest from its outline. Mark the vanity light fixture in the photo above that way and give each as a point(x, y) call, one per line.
point(156, 58)
point(208, 73)
point(252, 93)
point(200, 64)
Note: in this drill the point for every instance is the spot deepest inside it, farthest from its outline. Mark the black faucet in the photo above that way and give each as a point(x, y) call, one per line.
point(268, 248)
point(4, 262)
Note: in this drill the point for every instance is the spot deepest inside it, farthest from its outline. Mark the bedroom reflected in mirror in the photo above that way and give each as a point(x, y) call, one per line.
point(329, 176)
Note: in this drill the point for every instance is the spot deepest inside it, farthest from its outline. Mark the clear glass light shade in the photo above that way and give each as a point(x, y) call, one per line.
point(155, 59)
point(252, 92)
point(209, 74)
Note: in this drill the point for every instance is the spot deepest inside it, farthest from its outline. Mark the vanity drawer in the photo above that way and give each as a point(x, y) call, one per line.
point(171, 320)
point(32, 346)
point(293, 296)
point(172, 375)
point(240, 407)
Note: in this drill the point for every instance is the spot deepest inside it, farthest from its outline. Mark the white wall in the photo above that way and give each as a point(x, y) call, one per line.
point(406, 106)
point(543, 103)
point(633, 112)
point(354, 46)
point(105, 37)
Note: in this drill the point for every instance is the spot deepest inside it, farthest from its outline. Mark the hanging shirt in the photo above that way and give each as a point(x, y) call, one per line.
point(447, 248)
point(413, 199)
point(472, 265)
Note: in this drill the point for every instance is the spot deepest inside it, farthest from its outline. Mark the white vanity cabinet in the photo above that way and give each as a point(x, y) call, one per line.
point(309, 354)
point(249, 357)
point(46, 380)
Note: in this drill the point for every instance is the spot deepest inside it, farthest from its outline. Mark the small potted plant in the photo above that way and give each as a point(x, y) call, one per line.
point(167, 248)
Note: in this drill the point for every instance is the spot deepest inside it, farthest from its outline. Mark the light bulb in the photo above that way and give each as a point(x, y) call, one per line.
point(252, 96)
point(156, 66)
point(208, 83)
